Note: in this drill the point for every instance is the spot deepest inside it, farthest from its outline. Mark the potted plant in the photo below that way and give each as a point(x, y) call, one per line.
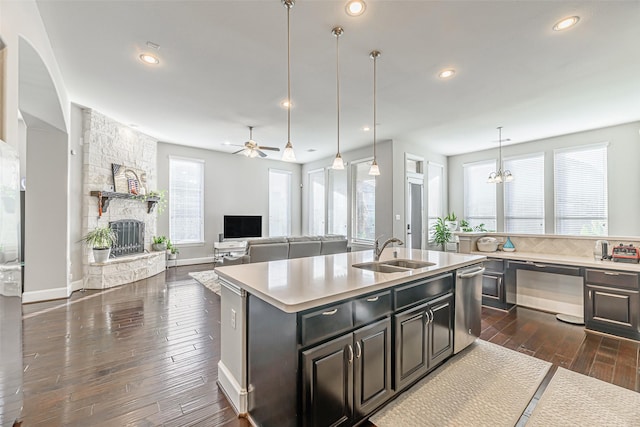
point(466, 227)
point(100, 239)
point(159, 243)
point(441, 233)
point(451, 221)
point(173, 251)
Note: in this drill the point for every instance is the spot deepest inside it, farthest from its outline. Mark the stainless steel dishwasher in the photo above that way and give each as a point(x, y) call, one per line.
point(468, 306)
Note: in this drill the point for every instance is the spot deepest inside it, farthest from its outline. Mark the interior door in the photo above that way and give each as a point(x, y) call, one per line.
point(415, 212)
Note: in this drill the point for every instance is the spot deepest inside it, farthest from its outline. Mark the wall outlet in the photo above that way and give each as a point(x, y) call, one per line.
point(233, 318)
point(397, 217)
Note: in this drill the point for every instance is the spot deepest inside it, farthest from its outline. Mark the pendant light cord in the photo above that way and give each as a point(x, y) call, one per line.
point(289, 73)
point(375, 60)
point(337, 34)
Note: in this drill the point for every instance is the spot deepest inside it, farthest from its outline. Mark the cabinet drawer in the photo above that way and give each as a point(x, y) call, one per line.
point(612, 278)
point(494, 265)
point(371, 307)
point(324, 323)
point(421, 290)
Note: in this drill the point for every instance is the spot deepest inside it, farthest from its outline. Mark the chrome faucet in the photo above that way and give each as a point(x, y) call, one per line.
point(377, 252)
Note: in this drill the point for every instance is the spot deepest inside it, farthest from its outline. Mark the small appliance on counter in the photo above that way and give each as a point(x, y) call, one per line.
point(601, 250)
point(626, 253)
point(487, 244)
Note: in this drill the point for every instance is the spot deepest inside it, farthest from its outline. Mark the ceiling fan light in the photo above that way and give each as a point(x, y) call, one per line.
point(507, 176)
point(338, 163)
point(253, 154)
point(288, 155)
point(374, 170)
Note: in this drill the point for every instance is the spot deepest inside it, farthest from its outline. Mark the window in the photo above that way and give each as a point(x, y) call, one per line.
point(279, 202)
point(364, 202)
point(337, 201)
point(435, 183)
point(186, 200)
point(316, 202)
point(479, 196)
point(524, 196)
point(580, 177)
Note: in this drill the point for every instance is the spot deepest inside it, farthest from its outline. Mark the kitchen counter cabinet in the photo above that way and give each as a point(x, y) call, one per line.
point(612, 302)
point(493, 289)
point(321, 337)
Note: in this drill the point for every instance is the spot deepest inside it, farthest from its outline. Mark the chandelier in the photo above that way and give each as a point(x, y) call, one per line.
point(500, 176)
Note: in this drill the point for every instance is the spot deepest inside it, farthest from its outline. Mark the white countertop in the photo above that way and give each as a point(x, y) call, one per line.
point(299, 284)
point(561, 259)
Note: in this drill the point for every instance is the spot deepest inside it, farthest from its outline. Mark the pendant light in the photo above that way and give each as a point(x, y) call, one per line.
point(338, 163)
point(374, 170)
point(288, 155)
point(499, 177)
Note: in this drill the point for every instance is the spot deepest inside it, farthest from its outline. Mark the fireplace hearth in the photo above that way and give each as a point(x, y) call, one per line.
point(130, 234)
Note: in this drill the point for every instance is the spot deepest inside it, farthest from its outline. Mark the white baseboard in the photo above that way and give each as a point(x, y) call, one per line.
point(237, 395)
point(76, 286)
point(45, 295)
point(193, 261)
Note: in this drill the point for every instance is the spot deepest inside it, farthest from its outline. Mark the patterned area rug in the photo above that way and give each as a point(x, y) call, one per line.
point(208, 279)
point(576, 399)
point(485, 385)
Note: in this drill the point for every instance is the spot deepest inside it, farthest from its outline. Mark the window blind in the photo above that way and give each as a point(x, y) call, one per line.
point(479, 196)
point(364, 203)
point(316, 202)
point(186, 200)
point(337, 201)
point(581, 199)
point(524, 196)
point(279, 202)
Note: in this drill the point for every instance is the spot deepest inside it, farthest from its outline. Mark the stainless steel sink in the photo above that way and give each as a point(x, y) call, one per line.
point(379, 267)
point(407, 263)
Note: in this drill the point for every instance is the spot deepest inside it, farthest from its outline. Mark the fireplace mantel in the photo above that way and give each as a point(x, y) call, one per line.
point(105, 197)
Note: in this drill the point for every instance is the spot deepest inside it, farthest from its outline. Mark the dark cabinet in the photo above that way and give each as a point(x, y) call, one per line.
point(345, 379)
point(612, 302)
point(424, 338)
point(493, 289)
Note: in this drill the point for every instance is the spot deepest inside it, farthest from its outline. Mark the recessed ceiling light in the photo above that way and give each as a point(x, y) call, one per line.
point(226, 143)
point(355, 7)
point(285, 104)
point(566, 23)
point(147, 58)
point(366, 128)
point(445, 74)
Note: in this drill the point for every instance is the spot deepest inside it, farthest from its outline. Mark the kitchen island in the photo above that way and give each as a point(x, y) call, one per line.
point(319, 341)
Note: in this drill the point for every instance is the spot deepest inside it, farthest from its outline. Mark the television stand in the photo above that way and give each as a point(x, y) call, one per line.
point(231, 247)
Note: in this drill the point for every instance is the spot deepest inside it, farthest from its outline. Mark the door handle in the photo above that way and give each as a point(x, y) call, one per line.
point(358, 350)
point(373, 299)
point(472, 274)
point(350, 354)
point(611, 273)
point(432, 315)
point(589, 293)
point(330, 312)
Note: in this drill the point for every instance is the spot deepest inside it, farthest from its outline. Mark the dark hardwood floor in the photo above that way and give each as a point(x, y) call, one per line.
point(146, 354)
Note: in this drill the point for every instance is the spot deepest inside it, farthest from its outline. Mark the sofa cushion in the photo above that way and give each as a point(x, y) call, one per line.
point(333, 244)
point(304, 246)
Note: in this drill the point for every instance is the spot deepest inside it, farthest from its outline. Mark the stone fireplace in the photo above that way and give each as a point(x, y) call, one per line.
point(106, 142)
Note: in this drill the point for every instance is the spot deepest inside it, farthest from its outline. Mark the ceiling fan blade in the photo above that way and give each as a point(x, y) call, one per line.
point(269, 148)
point(261, 153)
point(239, 151)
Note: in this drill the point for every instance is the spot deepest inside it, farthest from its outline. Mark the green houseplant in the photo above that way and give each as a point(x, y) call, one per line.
point(159, 243)
point(441, 233)
point(451, 220)
point(173, 250)
point(100, 239)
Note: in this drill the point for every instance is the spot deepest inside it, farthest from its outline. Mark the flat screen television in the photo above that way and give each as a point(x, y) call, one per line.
point(241, 226)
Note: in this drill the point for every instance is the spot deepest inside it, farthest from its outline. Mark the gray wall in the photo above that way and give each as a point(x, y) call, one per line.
point(76, 195)
point(233, 185)
point(622, 166)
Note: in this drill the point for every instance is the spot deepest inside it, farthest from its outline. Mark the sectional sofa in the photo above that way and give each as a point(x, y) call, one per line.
point(277, 248)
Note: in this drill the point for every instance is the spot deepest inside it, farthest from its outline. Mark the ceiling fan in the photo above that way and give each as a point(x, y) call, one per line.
point(252, 149)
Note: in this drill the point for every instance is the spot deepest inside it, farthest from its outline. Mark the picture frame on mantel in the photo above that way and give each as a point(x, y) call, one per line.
point(128, 180)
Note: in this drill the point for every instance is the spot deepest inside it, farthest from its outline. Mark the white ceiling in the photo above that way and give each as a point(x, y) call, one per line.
point(223, 67)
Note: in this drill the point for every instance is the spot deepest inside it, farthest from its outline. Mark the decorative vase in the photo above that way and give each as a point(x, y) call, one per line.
point(451, 225)
point(508, 246)
point(159, 246)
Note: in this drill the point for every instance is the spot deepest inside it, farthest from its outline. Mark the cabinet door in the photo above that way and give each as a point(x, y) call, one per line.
point(612, 310)
point(492, 287)
point(327, 383)
point(411, 359)
point(372, 366)
point(440, 331)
